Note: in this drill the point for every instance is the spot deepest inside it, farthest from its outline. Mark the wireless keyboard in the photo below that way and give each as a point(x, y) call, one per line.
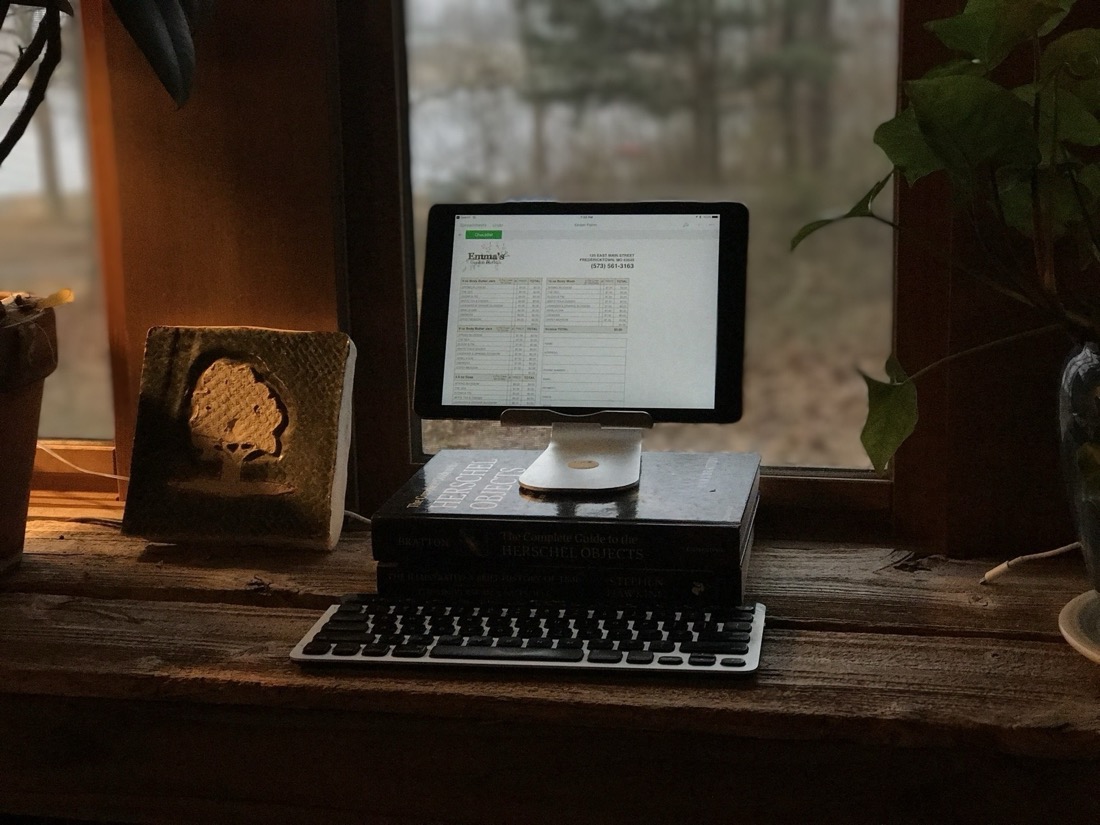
point(371, 630)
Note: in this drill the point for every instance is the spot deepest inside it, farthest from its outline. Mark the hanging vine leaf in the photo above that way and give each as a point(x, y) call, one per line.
point(989, 30)
point(162, 30)
point(891, 414)
point(861, 210)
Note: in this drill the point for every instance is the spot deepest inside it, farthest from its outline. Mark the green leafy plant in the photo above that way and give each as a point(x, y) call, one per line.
point(1021, 162)
point(162, 29)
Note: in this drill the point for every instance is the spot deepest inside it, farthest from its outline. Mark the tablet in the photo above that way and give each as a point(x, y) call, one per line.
point(583, 307)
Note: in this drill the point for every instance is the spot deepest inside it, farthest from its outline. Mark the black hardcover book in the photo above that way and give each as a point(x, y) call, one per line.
point(589, 584)
point(690, 511)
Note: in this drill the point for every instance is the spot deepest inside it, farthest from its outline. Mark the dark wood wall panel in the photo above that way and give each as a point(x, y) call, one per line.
point(224, 208)
point(381, 298)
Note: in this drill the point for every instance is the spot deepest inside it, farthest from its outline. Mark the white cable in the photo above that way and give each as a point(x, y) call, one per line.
point(46, 450)
point(66, 461)
point(1001, 569)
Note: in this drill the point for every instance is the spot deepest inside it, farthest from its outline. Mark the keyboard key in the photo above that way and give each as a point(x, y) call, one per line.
point(671, 660)
point(343, 636)
point(732, 662)
point(375, 650)
point(639, 657)
point(723, 636)
point(661, 647)
point(507, 641)
point(479, 641)
point(529, 654)
point(605, 657)
point(345, 649)
point(316, 648)
point(338, 622)
point(714, 647)
point(600, 644)
point(410, 651)
point(701, 659)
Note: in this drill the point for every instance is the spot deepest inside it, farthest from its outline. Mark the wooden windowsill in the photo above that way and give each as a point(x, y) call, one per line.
point(137, 682)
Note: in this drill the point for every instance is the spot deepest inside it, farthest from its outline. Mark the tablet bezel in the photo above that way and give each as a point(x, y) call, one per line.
point(730, 338)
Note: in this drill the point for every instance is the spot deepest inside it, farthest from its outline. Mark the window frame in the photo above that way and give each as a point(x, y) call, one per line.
point(365, 140)
point(796, 498)
point(373, 282)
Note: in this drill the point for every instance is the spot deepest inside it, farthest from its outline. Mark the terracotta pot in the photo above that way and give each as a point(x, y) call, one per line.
point(28, 353)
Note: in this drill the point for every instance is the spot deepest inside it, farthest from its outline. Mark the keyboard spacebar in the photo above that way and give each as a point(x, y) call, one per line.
point(525, 654)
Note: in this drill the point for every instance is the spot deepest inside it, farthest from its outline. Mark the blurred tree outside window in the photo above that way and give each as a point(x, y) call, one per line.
point(767, 102)
point(47, 235)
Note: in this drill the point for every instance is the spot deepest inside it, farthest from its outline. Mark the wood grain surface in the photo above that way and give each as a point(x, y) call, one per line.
point(152, 683)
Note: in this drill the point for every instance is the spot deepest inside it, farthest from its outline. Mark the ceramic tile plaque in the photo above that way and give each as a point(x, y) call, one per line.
point(242, 436)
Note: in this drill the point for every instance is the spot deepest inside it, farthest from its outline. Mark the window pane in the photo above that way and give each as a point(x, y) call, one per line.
point(768, 102)
point(47, 238)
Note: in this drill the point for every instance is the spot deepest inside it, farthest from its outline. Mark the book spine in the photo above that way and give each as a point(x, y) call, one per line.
point(558, 543)
point(562, 583)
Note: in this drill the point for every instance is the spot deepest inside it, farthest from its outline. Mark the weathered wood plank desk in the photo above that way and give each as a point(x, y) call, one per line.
point(149, 684)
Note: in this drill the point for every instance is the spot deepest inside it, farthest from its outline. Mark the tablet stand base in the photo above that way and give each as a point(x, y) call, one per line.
point(584, 453)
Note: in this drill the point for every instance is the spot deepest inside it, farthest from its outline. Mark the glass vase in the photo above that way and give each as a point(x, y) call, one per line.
point(1079, 422)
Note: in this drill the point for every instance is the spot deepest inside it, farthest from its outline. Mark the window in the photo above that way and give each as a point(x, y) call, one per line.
point(229, 204)
point(47, 236)
point(770, 103)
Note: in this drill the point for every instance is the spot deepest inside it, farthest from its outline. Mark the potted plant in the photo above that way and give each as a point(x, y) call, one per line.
point(28, 353)
point(1021, 162)
point(28, 337)
point(162, 30)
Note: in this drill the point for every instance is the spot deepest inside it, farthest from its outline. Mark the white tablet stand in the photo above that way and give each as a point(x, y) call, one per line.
point(597, 452)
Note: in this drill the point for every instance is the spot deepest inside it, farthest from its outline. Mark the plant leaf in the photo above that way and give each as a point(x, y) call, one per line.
point(971, 121)
point(988, 30)
point(1075, 57)
point(1059, 201)
point(160, 29)
point(197, 12)
point(891, 414)
point(862, 209)
point(1062, 118)
point(902, 141)
point(964, 65)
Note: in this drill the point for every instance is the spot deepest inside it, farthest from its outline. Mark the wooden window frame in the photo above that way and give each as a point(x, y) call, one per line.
point(349, 142)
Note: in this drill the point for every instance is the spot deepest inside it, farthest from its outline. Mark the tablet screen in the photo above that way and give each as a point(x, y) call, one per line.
point(583, 307)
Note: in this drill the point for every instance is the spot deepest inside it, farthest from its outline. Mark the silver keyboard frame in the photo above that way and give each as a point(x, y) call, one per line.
point(751, 658)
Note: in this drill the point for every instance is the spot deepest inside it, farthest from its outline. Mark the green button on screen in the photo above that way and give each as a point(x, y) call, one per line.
point(483, 234)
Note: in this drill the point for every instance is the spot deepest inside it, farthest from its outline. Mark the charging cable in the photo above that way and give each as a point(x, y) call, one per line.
point(1001, 569)
point(53, 453)
point(67, 463)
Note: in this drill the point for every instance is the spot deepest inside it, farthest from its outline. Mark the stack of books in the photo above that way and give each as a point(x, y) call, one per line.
point(463, 528)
